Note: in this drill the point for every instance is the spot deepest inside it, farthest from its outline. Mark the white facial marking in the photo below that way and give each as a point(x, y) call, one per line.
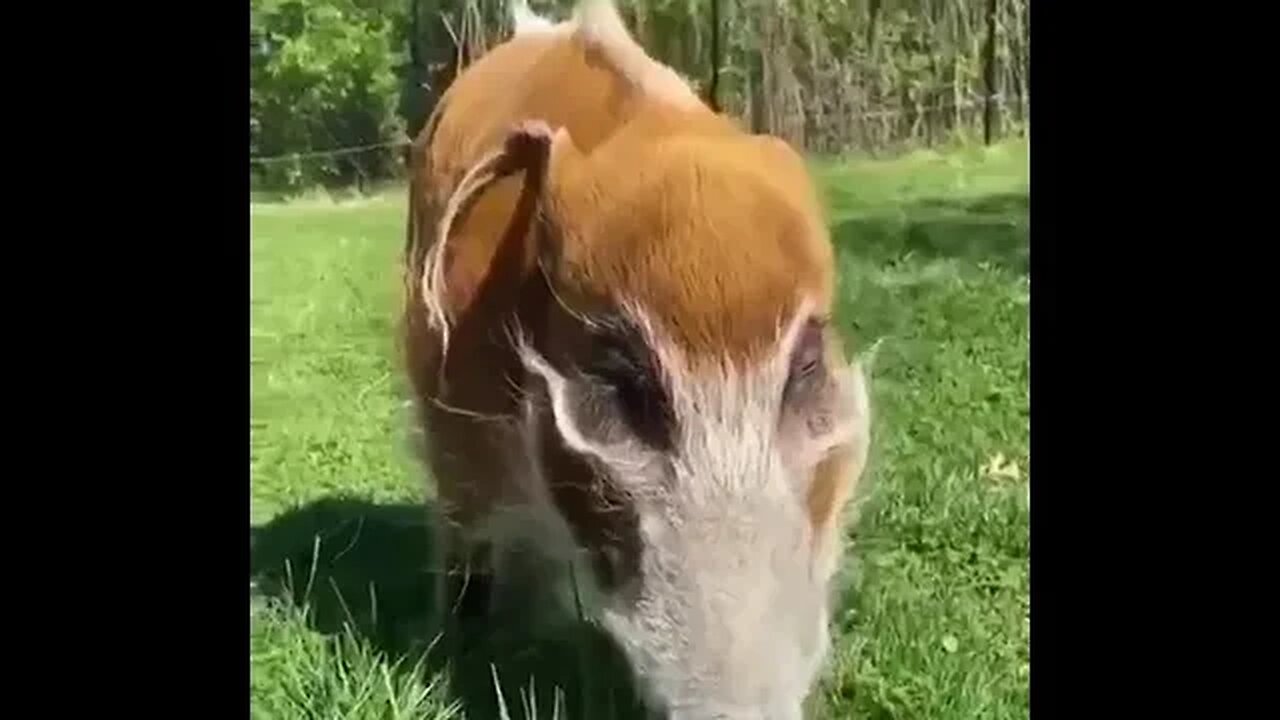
point(728, 617)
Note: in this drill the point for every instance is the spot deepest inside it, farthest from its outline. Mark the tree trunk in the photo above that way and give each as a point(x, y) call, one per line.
point(713, 90)
point(874, 95)
point(989, 117)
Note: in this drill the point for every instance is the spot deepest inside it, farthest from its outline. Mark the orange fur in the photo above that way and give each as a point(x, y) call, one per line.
point(649, 196)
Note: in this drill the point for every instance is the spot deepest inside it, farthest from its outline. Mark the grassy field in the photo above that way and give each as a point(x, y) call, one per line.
point(935, 622)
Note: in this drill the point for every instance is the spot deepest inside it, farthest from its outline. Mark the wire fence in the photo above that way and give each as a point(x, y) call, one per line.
point(336, 152)
point(973, 102)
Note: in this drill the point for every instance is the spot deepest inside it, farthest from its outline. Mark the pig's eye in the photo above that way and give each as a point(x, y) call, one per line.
point(806, 359)
point(622, 364)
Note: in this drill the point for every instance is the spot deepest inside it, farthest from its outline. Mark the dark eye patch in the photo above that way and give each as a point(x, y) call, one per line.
point(621, 362)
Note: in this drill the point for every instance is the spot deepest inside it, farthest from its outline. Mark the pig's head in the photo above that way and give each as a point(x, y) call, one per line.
point(688, 372)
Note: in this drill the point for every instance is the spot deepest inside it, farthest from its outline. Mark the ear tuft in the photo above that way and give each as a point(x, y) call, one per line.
point(529, 142)
point(533, 145)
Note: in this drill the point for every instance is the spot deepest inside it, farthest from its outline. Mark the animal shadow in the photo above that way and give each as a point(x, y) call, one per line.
point(370, 568)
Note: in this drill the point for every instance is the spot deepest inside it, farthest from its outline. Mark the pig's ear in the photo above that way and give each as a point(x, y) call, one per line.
point(843, 449)
point(569, 199)
point(548, 159)
point(824, 430)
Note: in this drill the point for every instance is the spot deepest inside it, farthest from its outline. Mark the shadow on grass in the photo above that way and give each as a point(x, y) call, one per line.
point(994, 229)
point(370, 567)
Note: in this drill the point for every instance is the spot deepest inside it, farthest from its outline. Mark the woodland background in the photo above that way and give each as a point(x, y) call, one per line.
point(337, 86)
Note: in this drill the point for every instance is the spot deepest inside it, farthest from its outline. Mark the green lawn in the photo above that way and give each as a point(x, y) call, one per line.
point(935, 623)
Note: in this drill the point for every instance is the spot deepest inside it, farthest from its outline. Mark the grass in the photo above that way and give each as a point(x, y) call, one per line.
point(935, 618)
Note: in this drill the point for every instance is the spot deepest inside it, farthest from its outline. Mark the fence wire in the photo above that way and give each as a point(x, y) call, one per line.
point(998, 99)
point(336, 152)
